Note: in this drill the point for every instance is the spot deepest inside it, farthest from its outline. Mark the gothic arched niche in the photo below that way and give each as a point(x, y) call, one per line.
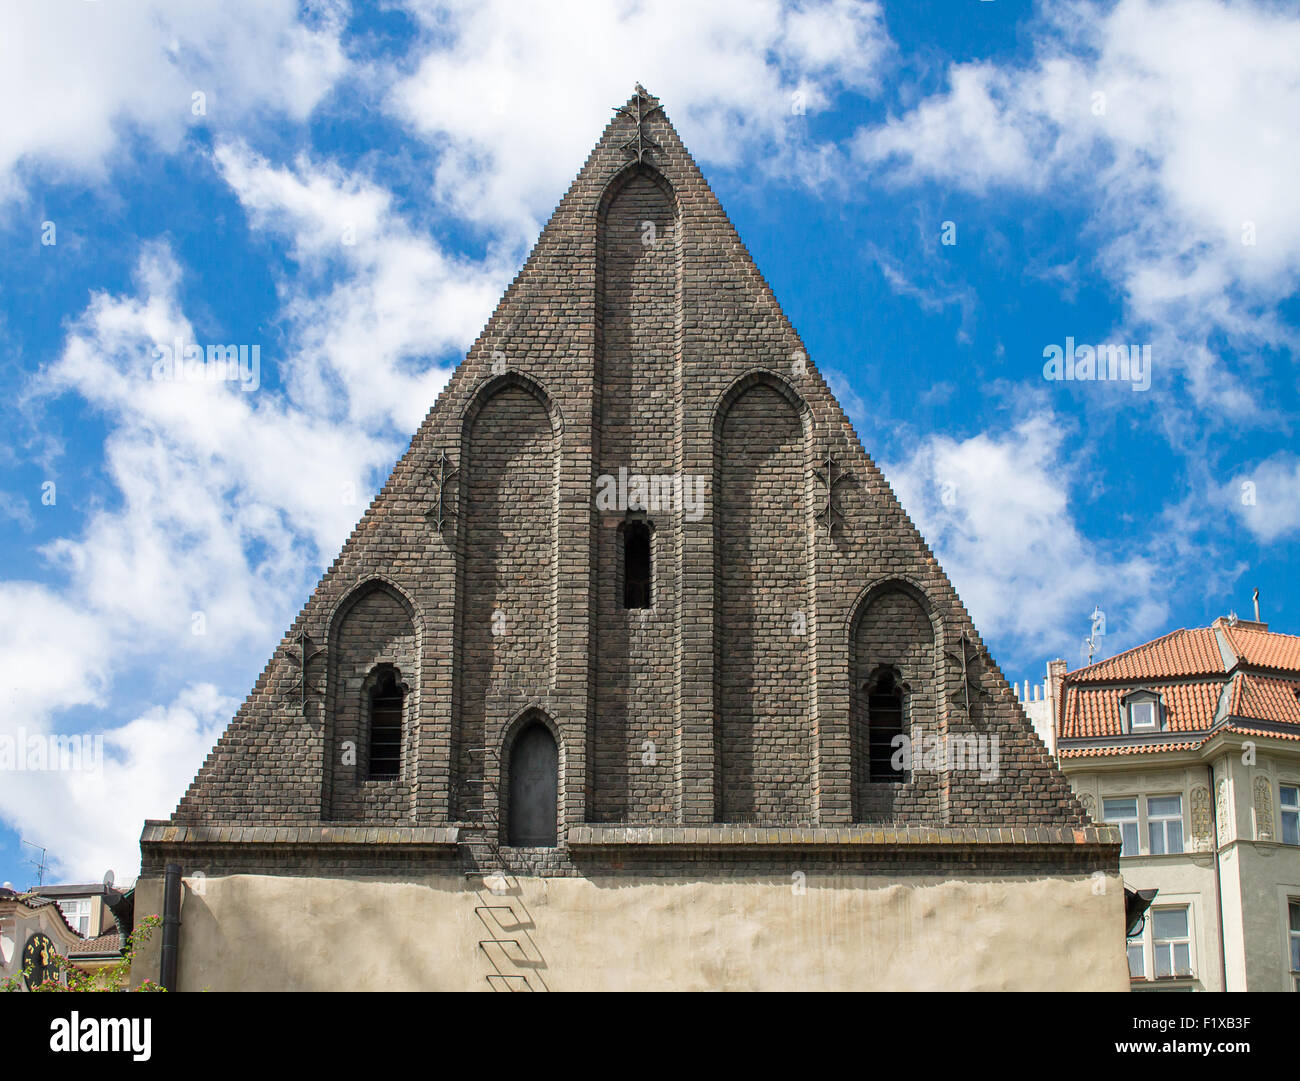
point(510, 456)
point(534, 772)
point(373, 632)
point(763, 696)
point(893, 674)
point(638, 316)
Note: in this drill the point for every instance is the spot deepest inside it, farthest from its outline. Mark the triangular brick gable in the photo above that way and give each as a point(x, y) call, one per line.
point(741, 695)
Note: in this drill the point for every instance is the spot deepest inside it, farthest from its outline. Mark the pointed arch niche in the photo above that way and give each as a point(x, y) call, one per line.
point(508, 571)
point(637, 432)
point(763, 580)
point(531, 782)
point(895, 673)
point(374, 663)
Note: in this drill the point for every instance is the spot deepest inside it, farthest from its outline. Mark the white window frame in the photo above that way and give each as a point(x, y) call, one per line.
point(1159, 825)
point(75, 909)
point(1290, 810)
point(1141, 703)
point(1171, 944)
point(1135, 822)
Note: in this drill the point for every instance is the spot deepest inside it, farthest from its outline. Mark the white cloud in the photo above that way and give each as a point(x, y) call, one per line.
point(1173, 123)
point(977, 134)
point(1266, 499)
point(399, 300)
point(75, 76)
point(226, 500)
point(48, 634)
point(995, 508)
point(90, 820)
point(513, 95)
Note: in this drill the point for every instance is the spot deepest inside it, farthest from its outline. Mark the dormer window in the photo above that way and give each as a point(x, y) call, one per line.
point(1142, 716)
point(1142, 712)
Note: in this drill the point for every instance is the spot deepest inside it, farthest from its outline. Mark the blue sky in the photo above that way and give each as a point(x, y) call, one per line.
point(351, 190)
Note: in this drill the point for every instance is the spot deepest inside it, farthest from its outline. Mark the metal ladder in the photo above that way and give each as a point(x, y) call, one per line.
point(505, 919)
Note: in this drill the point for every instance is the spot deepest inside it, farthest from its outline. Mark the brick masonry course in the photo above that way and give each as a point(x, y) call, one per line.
point(638, 334)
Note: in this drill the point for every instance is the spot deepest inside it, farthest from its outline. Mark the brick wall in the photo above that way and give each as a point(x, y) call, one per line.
point(894, 632)
point(677, 357)
point(761, 543)
point(507, 624)
point(634, 724)
point(373, 629)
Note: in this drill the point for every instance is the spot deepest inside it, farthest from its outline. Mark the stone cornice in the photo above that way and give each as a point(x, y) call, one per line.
point(847, 838)
point(159, 834)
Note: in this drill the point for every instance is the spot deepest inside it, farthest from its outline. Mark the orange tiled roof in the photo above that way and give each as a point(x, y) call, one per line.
point(1096, 711)
point(1170, 666)
point(1128, 748)
point(1192, 652)
point(1265, 649)
point(1263, 698)
point(1242, 730)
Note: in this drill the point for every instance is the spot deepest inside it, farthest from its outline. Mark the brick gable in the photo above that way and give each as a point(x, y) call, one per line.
point(638, 336)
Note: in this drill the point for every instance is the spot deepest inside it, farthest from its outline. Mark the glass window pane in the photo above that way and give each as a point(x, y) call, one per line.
point(1291, 828)
point(1135, 966)
point(1165, 806)
point(1294, 907)
point(1129, 837)
point(1156, 837)
point(1115, 809)
point(1170, 923)
point(1174, 831)
point(1162, 961)
point(1290, 796)
point(1295, 953)
point(1182, 959)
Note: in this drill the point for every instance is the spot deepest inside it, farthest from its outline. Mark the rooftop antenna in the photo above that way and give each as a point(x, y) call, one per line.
point(1255, 598)
point(40, 864)
point(1098, 620)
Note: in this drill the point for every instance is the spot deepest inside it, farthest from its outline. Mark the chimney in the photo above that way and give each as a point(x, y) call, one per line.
point(1055, 676)
point(1255, 598)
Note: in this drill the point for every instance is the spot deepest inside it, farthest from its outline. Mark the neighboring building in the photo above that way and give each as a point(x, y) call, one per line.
point(51, 926)
point(602, 690)
point(1039, 701)
point(84, 906)
point(1191, 745)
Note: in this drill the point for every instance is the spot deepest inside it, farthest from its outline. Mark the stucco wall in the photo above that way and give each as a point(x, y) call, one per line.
point(247, 932)
point(1270, 876)
point(1258, 874)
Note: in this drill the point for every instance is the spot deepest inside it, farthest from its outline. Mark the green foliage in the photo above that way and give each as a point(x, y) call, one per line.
point(113, 977)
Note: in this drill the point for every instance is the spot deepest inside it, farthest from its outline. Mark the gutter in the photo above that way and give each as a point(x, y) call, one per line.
point(171, 926)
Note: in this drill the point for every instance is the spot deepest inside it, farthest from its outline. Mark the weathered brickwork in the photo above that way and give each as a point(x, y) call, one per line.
point(663, 357)
point(373, 629)
point(761, 541)
point(507, 626)
point(894, 634)
point(632, 737)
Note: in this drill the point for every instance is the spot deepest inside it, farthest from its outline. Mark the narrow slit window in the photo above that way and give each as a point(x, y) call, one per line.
point(885, 721)
point(385, 727)
point(636, 565)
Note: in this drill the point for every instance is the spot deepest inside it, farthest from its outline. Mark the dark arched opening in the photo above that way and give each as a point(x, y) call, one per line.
point(636, 565)
point(386, 726)
point(885, 726)
point(534, 788)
